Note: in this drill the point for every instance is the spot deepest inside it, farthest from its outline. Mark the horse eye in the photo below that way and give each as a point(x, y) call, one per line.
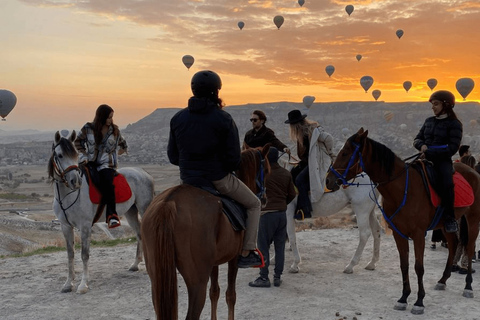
point(60, 156)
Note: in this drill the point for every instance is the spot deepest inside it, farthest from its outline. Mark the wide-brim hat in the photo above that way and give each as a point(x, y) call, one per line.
point(295, 116)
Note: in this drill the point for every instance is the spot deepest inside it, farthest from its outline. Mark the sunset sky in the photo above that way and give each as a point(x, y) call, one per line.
point(63, 58)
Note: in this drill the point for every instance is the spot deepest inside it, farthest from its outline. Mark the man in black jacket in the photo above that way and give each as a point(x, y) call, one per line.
point(204, 143)
point(260, 135)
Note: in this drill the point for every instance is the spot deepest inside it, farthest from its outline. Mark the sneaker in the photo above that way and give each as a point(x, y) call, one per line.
point(433, 246)
point(113, 223)
point(444, 244)
point(260, 283)
point(465, 271)
point(455, 268)
point(451, 226)
point(277, 282)
point(252, 260)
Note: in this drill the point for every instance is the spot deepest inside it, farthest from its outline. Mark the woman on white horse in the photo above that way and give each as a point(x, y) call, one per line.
point(314, 149)
point(97, 143)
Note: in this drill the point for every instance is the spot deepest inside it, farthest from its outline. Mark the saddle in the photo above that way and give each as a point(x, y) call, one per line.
point(122, 188)
point(235, 212)
point(463, 191)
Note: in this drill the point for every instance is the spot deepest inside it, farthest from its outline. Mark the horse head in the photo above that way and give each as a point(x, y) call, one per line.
point(63, 163)
point(348, 163)
point(254, 160)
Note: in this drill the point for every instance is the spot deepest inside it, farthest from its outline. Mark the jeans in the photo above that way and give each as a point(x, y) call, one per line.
point(107, 189)
point(273, 228)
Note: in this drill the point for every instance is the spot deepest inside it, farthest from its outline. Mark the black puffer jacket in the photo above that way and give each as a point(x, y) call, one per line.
point(439, 132)
point(203, 141)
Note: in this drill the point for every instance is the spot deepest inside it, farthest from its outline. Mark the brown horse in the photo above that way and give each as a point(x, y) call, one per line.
point(184, 228)
point(407, 207)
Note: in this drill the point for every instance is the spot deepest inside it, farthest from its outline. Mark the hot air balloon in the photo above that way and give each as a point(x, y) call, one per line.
point(188, 61)
point(464, 86)
point(407, 85)
point(329, 70)
point(345, 132)
point(432, 83)
point(349, 9)
point(399, 33)
point(359, 57)
point(473, 123)
point(278, 20)
point(301, 2)
point(388, 115)
point(241, 24)
point(366, 82)
point(308, 100)
point(376, 94)
point(7, 102)
point(403, 126)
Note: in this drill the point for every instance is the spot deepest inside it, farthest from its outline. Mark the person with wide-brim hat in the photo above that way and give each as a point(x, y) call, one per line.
point(314, 149)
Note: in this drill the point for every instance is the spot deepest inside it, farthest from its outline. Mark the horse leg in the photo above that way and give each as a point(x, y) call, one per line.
point(132, 218)
point(292, 236)
point(86, 232)
point(419, 248)
point(364, 233)
point(69, 239)
point(470, 251)
point(452, 241)
point(214, 292)
point(376, 231)
point(231, 294)
point(196, 274)
point(402, 247)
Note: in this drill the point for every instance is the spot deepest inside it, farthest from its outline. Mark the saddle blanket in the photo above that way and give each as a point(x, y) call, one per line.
point(122, 190)
point(463, 192)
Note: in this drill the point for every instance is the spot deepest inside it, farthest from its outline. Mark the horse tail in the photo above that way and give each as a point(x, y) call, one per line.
point(463, 231)
point(159, 250)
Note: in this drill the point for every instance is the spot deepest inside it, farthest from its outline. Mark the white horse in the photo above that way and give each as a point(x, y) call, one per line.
point(73, 208)
point(359, 197)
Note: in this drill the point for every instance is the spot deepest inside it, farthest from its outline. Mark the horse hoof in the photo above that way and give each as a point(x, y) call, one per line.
point(400, 306)
point(293, 270)
point(440, 286)
point(82, 290)
point(417, 310)
point(468, 293)
point(348, 270)
point(133, 268)
point(370, 266)
point(66, 289)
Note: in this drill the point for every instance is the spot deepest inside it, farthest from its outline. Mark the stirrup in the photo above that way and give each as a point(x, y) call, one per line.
point(299, 215)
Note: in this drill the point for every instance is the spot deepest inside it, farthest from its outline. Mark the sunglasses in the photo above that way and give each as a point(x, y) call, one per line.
point(254, 120)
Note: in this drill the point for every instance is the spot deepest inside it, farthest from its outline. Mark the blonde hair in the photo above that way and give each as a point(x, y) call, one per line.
point(302, 128)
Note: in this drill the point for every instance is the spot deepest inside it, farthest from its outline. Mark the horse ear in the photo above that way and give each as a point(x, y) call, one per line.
point(265, 149)
point(360, 131)
point(73, 136)
point(57, 137)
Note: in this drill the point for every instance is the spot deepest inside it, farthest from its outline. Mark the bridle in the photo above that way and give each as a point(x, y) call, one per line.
point(358, 165)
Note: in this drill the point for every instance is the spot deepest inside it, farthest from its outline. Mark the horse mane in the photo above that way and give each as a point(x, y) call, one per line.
point(69, 150)
point(248, 163)
point(382, 155)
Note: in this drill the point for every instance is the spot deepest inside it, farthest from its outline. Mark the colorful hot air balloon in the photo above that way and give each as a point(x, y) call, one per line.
point(188, 61)
point(241, 24)
point(349, 9)
point(8, 100)
point(464, 86)
point(359, 57)
point(399, 33)
point(376, 94)
point(432, 83)
point(301, 2)
point(278, 20)
point(366, 82)
point(407, 85)
point(329, 70)
point(388, 115)
point(308, 101)
point(403, 126)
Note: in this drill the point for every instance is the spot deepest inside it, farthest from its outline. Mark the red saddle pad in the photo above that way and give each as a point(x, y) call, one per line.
point(122, 190)
point(463, 192)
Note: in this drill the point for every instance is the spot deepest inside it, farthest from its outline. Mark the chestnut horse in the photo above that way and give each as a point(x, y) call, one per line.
point(184, 228)
point(407, 207)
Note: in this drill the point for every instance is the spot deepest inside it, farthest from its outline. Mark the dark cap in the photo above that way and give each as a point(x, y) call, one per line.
point(272, 155)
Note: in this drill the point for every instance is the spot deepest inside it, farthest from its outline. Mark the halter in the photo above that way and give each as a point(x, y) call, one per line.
point(58, 171)
point(359, 164)
point(260, 177)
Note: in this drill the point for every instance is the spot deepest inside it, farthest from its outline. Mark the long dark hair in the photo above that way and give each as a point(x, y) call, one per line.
point(101, 116)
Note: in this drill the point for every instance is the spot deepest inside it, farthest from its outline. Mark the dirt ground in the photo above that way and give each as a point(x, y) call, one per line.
point(30, 286)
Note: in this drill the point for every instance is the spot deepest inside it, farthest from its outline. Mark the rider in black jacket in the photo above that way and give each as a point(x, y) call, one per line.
point(204, 143)
point(439, 139)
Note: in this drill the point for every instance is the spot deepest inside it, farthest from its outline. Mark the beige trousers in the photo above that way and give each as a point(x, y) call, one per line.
point(232, 187)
